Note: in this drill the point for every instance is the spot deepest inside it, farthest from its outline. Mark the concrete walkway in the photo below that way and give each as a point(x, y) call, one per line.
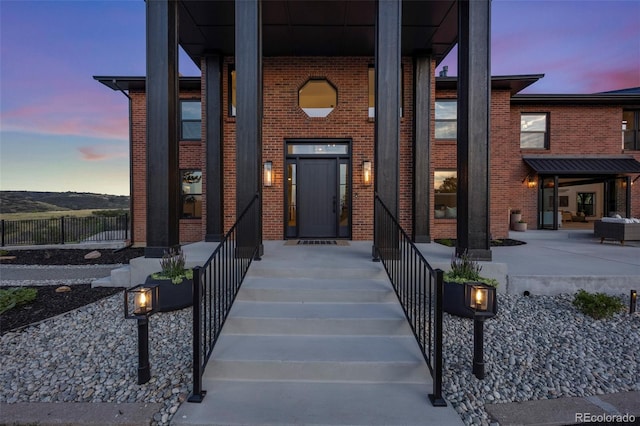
point(316, 336)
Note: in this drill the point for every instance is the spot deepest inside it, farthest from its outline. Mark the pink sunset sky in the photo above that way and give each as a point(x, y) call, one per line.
point(60, 130)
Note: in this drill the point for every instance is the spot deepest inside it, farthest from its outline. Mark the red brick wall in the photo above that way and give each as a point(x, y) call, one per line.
point(190, 158)
point(575, 130)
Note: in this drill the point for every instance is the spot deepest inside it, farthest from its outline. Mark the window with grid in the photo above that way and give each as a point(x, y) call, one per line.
point(631, 130)
point(446, 119)
point(190, 120)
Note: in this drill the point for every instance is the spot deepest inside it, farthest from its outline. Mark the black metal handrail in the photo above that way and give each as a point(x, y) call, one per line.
point(64, 230)
point(215, 286)
point(418, 287)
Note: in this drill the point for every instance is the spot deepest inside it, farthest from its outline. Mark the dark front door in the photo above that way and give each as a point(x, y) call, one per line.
point(318, 198)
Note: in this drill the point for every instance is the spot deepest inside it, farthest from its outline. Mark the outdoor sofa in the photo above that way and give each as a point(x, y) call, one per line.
point(620, 229)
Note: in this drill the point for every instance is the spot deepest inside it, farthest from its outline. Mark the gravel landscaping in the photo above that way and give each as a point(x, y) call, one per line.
point(536, 348)
point(539, 347)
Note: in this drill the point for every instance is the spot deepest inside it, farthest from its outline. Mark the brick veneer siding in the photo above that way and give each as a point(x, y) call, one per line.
point(190, 158)
point(574, 130)
point(284, 120)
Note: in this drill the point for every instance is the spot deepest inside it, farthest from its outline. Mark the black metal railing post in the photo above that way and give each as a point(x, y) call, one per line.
point(197, 394)
point(62, 230)
point(436, 397)
point(2, 231)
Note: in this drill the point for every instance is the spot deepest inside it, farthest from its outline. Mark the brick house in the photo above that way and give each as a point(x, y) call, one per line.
point(320, 120)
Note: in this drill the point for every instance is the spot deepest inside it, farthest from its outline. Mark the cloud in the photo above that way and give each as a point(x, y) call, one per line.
point(101, 152)
point(101, 115)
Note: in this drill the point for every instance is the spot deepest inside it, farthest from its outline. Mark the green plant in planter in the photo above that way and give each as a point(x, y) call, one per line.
point(464, 269)
point(172, 264)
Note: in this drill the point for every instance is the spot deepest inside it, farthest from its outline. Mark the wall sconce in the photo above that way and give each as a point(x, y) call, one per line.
point(267, 175)
point(366, 172)
point(531, 182)
point(480, 298)
point(139, 303)
point(633, 300)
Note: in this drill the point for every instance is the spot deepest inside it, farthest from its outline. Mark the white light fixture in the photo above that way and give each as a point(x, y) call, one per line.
point(267, 177)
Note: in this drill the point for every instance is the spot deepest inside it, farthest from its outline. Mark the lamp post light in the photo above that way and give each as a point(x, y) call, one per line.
point(139, 304)
point(633, 297)
point(480, 298)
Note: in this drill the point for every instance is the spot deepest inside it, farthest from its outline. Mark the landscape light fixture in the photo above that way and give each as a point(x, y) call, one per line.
point(267, 176)
point(633, 300)
point(366, 172)
point(481, 299)
point(139, 304)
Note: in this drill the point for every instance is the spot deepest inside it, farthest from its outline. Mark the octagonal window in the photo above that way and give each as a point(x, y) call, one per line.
point(318, 97)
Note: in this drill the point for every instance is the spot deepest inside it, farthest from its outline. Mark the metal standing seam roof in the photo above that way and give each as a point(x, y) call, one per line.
point(583, 166)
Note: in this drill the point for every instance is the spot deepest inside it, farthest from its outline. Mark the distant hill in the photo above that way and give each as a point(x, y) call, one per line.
point(30, 201)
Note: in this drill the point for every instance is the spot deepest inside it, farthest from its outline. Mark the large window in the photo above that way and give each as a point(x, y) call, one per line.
point(447, 119)
point(445, 185)
point(534, 131)
point(191, 194)
point(631, 130)
point(190, 120)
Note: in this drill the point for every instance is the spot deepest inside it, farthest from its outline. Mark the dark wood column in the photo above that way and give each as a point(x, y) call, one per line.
point(162, 135)
point(213, 114)
point(474, 100)
point(421, 156)
point(387, 125)
point(248, 33)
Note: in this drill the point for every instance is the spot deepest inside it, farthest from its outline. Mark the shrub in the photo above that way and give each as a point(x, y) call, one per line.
point(12, 297)
point(597, 305)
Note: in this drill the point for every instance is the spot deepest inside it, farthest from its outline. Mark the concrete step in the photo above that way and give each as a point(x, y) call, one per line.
point(368, 359)
point(119, 277)
point(271, 318)
point(314, 403)
point(316, 290)
point(259, 269)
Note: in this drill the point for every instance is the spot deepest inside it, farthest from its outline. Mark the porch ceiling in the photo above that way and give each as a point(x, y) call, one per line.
point(583, 166)
point(318, 27)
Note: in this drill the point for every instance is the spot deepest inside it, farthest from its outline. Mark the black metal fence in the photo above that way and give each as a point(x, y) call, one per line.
point(418, 287)
point(64, 230)
point(215, 286)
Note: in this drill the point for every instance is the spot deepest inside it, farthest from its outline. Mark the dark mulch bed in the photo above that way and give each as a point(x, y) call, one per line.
point(69, 256)
point(506, 242)
point(48, 303)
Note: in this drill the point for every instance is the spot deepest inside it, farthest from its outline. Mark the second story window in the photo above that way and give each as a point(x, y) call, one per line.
point(631, 130)
point(447, 119)
point(534, 131)
point(190, 120)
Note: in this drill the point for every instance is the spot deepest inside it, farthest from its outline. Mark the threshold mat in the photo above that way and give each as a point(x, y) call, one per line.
point(316, 243)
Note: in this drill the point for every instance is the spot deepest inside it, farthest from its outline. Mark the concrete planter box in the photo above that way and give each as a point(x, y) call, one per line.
point(172, 297)
point(520, 226)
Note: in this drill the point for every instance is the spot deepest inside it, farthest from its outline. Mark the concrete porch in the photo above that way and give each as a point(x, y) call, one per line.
point(316, 336)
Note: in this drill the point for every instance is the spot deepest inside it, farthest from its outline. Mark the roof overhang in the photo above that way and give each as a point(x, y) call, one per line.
point(546, 165)
point(627, 99)
point(513, 83)
point(318, 27)
point(139, 83)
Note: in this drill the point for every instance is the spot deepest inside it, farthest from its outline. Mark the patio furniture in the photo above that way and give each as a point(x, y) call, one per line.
point(617, 229)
